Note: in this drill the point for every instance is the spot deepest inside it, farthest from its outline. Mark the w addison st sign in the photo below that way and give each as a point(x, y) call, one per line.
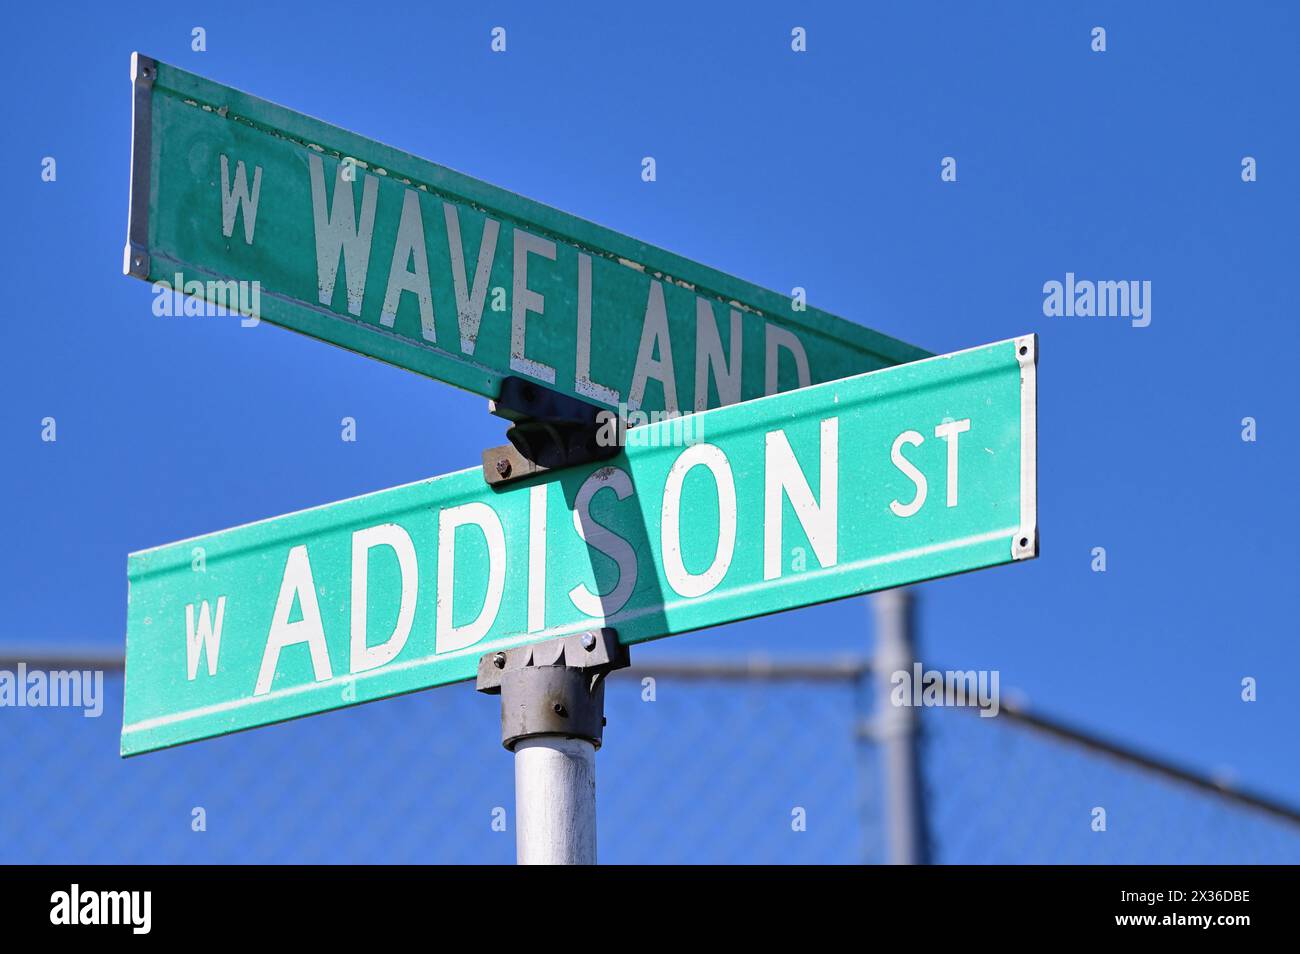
point(367, 247)
point(859, 484)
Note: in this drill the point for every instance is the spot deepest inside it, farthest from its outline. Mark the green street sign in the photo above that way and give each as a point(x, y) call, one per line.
point(856, 485)
point(242, 203)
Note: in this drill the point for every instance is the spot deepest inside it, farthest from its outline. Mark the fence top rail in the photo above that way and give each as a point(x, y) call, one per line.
point(753, 668)
point(60, 659)
point(1073, 735)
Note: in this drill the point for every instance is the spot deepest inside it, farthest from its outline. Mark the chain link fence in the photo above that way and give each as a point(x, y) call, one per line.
point(736, 761)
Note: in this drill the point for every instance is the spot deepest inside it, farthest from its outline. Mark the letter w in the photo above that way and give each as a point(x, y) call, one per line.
point(337, 232)
point(234, 198)
point(207, 638)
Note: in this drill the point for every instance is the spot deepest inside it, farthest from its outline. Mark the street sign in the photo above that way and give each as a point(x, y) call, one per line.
point(856, 485)
point(246, 204)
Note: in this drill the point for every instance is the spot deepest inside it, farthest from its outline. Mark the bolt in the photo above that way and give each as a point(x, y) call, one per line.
point(503, 467)
point(588, 641)
point(499, 660)
point(560, 710)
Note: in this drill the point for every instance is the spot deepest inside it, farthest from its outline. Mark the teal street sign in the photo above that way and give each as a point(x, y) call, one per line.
point(856, 485)
point(242, 203)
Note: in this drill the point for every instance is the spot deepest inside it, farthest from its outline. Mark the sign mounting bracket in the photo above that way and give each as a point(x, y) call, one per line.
point(548, 431)
point(552, 719)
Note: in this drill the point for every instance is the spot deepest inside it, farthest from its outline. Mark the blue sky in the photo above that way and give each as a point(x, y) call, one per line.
point(818, 170)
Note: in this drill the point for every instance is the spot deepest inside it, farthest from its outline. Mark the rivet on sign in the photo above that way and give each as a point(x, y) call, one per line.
point(588, 641)
point(503, 467)
point(559, 710)
point(499, 660)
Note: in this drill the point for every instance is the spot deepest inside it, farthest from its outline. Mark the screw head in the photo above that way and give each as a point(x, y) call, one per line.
point(588, 641)
point(499, 660)
point(503, 467)
point(560, 710)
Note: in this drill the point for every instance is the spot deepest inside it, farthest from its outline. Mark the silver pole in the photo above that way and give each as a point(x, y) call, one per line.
point(896, 729)
point(553, 720)
point(555, 801)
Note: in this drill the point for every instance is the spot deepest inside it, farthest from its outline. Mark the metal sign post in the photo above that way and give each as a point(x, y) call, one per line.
point(897, 728)
point(552, 718)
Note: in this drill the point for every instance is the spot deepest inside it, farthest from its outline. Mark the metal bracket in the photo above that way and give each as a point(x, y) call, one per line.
point(556, 687)
point(135, 261)
point(1024, 545)
point(549, 430)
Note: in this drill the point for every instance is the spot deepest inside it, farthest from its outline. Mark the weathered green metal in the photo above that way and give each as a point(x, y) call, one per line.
point(764, 506)
point(395, 257)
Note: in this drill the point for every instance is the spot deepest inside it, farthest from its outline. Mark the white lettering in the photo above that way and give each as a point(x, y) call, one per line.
point(607, 542)
point(684, 582)
point(410, 246)
point(207, 638)
point(525, 300)
point(449, 636)
point(296, 582)
point(783, 478)
point(365, 656)
point(906, 466)
point(337, 233)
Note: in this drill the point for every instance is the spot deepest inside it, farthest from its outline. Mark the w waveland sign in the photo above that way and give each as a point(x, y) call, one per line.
point(859, 484)
point(362, 245)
